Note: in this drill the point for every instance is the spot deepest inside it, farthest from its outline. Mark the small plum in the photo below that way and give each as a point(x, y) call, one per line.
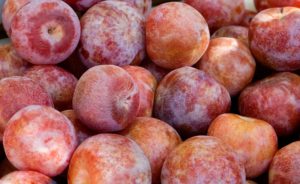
point(45, 31)
point(59, 83)
point(106, 98)
point(203, 159)
point(41, 139)
point(189, 99)
point(156, 138)
point(109, 158)
point(176, 35)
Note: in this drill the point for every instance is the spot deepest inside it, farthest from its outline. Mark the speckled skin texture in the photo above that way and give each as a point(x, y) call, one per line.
point(16, 93)
point(106, 98)
point(176, 35)
point(261, 4)
point(81, 131)
point(156, 138)
point(274, 37)
point(229, 62)
point(203, 159)
point(146, 83)
point(189, 99)
point(26, 177)
point(59, 83)
point(283, 3)
point(51, 36)
point(109, 158)
point(255, 141)
point(274, 100)
point(285, 165)
point(112, 33)
point(238, 32)
point(10, 63)
point(41, 139)
point(219, 13)
point(9, 10)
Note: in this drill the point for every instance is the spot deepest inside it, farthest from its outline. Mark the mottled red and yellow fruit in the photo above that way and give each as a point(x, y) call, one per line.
point(255, 141)
point(274, 38)
point(81, 131)
point(112, 33)
point(285, 165)
point(219, 13)
point(10, 63)
point(189, 99)
point(19, 92)
point(45, 31)
point(9, 10)
point(203, 159)
point(156, 138)
point(59, 83)
point(106, 98)
point(146, 83)
point(109, 158)
point(39, 138)
point(229, 62)
point(274, 100)
point(26, 177)
point(176, 35)
point(238, 32)
point(284, 3)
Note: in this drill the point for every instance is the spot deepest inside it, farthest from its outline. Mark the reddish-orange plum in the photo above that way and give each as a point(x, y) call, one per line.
point(255, 141)
point(10, 63)
point(41, 139)
point(229, 62)
point(176, 35)
point(146, 83)
point(109, 158)
point(285, 165)
point(238, 32)
point(219, 13)
point(26, 177)
point(9, 10)
point(189, 99)
point(112, 33)
point(283, 3)
point(203, 159)
point(52, 34)
point(274, 38)
point(81, 131)
point(106, 98)
point(156, 138)
point(19, 92)
point(274, 100)
point(59, 83)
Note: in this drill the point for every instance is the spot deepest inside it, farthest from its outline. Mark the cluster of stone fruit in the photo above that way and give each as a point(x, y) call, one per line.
point(118, 91)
